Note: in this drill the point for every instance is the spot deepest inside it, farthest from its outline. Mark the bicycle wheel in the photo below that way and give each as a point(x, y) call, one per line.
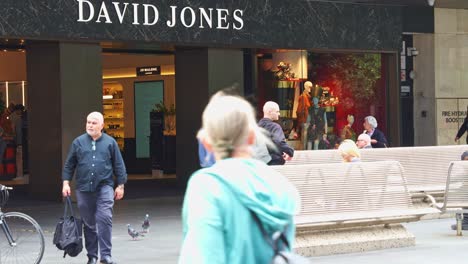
point(28, 237)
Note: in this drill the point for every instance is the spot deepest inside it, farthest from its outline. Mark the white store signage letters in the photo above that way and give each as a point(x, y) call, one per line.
point(148, 15)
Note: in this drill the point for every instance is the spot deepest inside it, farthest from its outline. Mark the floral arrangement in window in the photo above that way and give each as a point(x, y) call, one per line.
point(328, 99)
point(284, 71)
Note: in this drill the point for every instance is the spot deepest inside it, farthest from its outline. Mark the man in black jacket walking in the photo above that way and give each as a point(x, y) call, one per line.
point(283, 152)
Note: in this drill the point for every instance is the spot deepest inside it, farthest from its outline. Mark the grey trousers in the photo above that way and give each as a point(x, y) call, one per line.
point(96, 212)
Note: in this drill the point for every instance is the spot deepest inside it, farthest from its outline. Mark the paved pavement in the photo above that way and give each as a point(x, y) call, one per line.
point(435, 242)
point(161, 245)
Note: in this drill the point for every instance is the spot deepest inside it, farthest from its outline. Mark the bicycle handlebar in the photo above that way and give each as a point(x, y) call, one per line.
point(4, 195)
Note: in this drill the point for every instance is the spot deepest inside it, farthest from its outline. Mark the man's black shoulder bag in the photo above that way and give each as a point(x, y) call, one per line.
point(279, 243)
point(68, 232)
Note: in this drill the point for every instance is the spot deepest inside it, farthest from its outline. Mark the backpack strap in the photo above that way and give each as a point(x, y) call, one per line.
point(273, 240)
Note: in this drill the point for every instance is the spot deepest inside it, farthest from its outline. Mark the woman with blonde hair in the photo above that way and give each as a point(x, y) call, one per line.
point(221, 202)
point(349, 151)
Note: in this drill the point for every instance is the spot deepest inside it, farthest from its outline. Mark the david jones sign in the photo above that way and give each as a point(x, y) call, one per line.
point(148, 15)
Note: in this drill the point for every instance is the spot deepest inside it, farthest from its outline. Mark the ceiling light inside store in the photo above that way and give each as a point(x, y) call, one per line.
point(108, 96)
point(116, 76)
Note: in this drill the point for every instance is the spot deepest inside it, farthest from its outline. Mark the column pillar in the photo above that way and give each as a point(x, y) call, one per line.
point(64, 85)
point(200, 72)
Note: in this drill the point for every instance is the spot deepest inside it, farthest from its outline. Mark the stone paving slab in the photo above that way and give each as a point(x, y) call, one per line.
point(161, 245)
point(435, 242)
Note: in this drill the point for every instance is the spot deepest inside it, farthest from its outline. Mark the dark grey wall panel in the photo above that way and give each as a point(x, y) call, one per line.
point(418, 19)
point(266, 23)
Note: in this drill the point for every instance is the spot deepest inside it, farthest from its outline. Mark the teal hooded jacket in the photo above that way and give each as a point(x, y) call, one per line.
point(217, 224)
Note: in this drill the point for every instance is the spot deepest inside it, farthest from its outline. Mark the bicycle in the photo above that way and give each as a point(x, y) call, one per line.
point(24, 241)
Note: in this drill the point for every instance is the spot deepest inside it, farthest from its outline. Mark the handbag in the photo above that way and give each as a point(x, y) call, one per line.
point(68, 234)
point(281, 254)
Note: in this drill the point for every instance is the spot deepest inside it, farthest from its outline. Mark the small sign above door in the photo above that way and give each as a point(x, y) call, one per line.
point(148, 70)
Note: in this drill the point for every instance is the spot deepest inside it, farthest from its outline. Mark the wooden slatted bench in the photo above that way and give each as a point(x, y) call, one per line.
point(456, 193)
point(425, 168)
point(352, 194)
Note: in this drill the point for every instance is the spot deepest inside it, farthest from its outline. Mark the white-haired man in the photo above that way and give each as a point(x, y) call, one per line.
point(363, 141)
point(95, 157)
point(378, 139)
point(283, 152)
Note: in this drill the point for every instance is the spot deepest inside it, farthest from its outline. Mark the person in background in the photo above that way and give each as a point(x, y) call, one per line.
point(378, 139)
point(283, 152)
point(259, 149)
point(219, 225)
point(349, 151)
point(261, 146)
point(206, 158)
point(95, 157)
point(363, 141)
point(463, 128)
point(464, 156)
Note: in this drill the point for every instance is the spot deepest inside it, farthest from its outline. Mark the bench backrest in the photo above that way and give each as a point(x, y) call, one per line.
point(425, 168)
point(456, 192)
point(348, 187)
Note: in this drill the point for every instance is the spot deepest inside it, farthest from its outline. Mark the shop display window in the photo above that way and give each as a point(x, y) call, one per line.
point(14, 92)
point(113, 111)
point(323, 97)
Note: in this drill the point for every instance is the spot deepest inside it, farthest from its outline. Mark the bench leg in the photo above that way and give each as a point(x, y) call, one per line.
point(459, 218)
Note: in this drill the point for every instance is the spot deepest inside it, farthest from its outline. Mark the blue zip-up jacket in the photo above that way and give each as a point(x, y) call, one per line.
point(95, 163)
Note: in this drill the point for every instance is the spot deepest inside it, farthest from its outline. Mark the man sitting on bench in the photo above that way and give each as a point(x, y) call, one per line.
point(284, 152)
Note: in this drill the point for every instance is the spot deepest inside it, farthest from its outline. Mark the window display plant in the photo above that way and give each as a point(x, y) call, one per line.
point(162, 108)
point(169, 114)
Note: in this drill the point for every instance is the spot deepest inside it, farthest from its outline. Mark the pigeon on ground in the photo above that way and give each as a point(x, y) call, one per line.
point(146, 224)
point(132, 232)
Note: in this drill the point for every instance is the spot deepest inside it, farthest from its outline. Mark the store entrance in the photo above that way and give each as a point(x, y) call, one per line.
point(138, 103)
point(138, 83)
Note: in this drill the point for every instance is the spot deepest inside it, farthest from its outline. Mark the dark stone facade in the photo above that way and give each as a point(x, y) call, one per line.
point(265, 23)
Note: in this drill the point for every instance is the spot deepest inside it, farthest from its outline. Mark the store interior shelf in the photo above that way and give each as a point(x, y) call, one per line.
point(113, 111)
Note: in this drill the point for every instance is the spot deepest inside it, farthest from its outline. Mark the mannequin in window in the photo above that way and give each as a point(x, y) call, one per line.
point(348, 132)
point(302, 111)
point(317, 121)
